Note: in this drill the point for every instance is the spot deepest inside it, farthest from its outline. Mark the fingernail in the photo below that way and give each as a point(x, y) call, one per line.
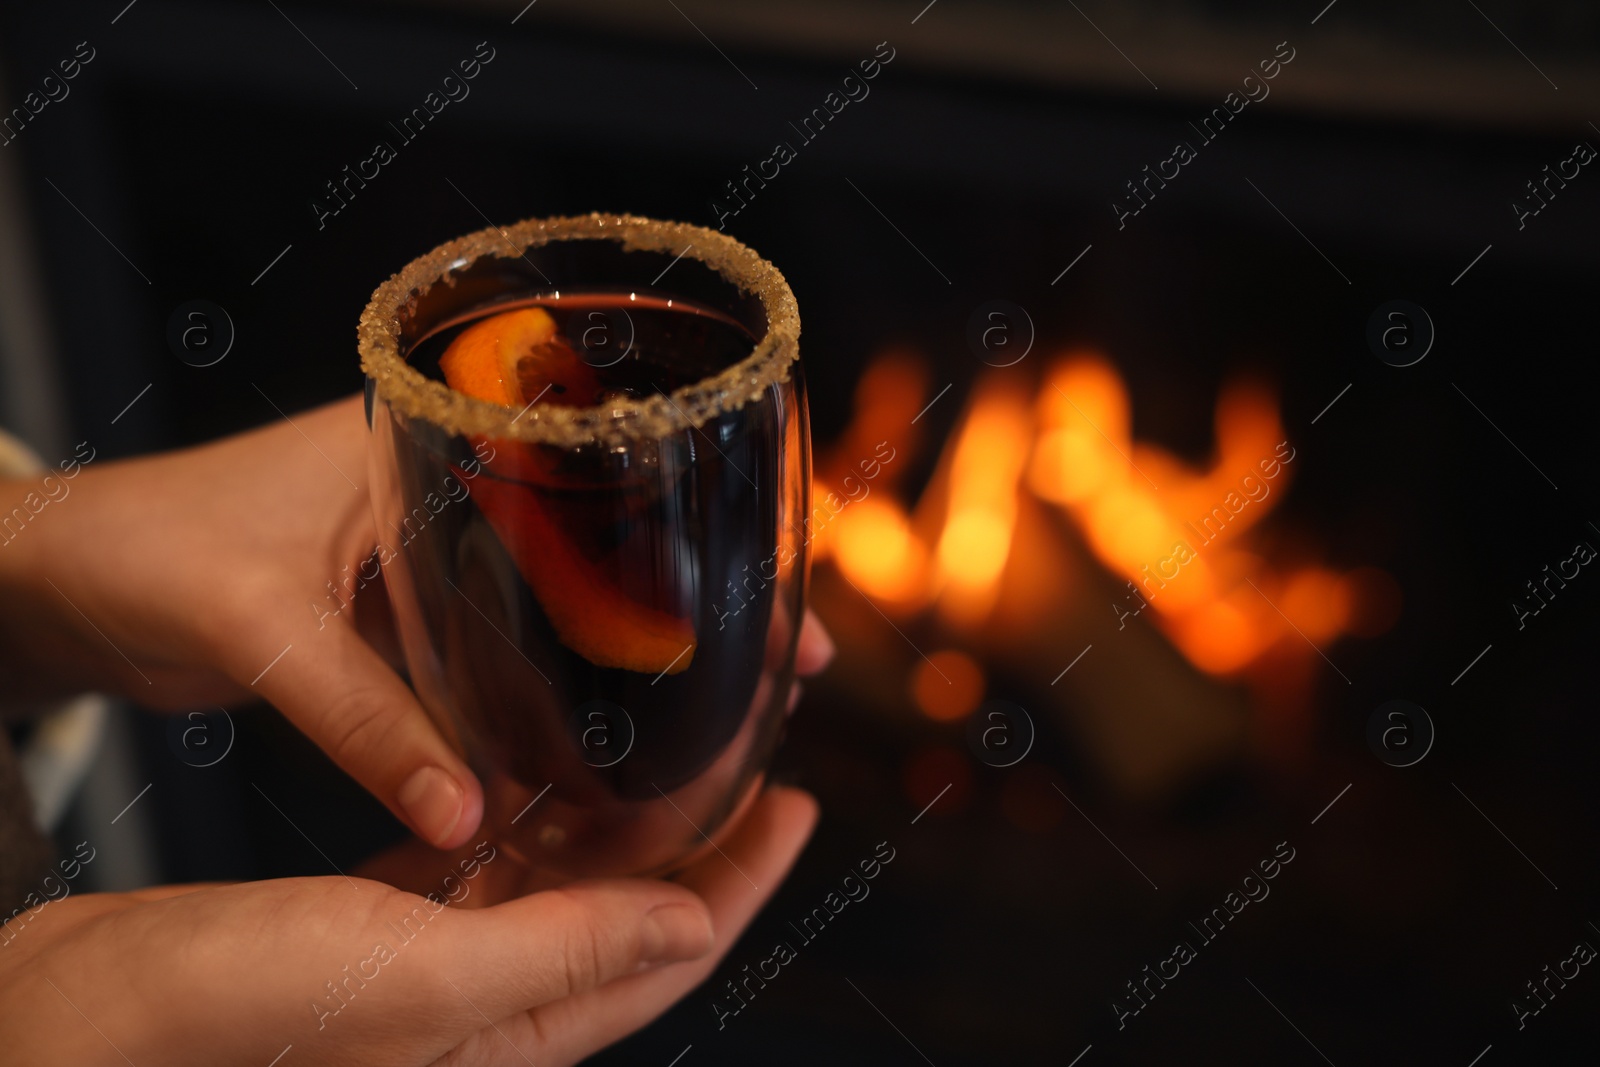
point(432, 801)
point(673, 933)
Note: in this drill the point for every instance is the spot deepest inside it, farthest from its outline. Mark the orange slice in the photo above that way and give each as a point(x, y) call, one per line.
point(511, 359)
point(515, 357)
point(590, 614)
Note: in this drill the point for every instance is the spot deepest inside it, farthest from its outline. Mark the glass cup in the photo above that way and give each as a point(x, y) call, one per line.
point(594, 545)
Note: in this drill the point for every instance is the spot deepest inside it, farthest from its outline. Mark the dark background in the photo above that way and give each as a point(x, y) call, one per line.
point(1395, 141)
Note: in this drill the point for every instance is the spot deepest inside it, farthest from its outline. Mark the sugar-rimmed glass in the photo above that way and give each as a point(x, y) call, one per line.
point(546, 563)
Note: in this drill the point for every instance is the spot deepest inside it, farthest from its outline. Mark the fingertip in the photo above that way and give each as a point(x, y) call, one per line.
point(784, 818)
point(441, 809)
point(471, 821)
point(676, 933)
point(816, 649)
point(795, 806)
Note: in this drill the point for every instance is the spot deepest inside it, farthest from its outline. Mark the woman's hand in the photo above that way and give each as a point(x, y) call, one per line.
point(353, 971)
point(219, 573)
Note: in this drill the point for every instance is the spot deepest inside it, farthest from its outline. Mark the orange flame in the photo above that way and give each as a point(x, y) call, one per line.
point(1178, 533)
point(990, 450)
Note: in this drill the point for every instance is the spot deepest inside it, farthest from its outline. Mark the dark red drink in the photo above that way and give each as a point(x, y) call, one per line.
point(610, 617)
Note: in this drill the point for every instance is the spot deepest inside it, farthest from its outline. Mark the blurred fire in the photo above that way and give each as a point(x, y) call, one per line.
point(1214, 591)
point(947, 685)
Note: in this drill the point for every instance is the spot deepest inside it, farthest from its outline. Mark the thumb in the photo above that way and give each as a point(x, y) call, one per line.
point(342, 695)
point(536, 949)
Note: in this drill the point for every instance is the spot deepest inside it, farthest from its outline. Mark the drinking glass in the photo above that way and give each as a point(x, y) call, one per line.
point(595, 544)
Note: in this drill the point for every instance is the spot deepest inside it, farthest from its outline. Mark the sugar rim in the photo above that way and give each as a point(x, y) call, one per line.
point(407, 390)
